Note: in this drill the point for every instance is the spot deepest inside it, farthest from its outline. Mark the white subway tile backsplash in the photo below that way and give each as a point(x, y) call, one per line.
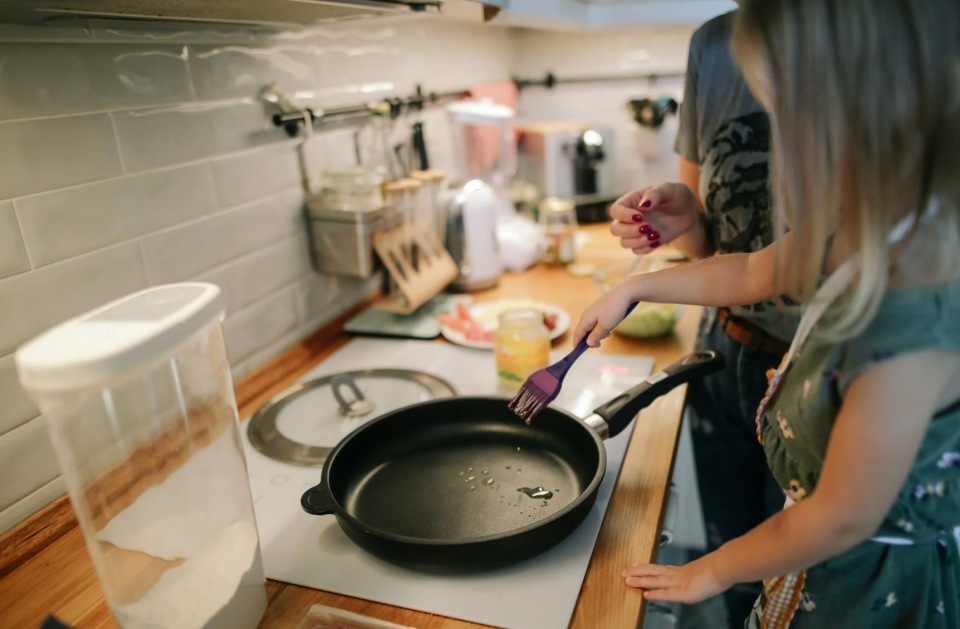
point(32, 302)
point(260, 325)
point(13, 255)
point(31, 503)
point(17, 407)
point(321, 298)
point(27, 461)
point(65, 223)
point(40, 155)
point(184, 252)
point(254, 175)
point(152, 138)
point(45, 79)
point(228, 71)
point(253, 277)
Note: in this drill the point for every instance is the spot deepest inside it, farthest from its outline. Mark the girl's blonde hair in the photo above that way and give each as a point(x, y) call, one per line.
point(864, 98)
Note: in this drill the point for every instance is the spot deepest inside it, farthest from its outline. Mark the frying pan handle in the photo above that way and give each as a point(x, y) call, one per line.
point(620, 411)
point(318, 501)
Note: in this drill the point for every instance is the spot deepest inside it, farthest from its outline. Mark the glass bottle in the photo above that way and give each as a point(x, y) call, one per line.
point(521, 346)
point(559, 220)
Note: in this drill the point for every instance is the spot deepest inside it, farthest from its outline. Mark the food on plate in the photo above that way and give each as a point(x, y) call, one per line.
point(465, 324)
point(482, 327)
point(649, 320)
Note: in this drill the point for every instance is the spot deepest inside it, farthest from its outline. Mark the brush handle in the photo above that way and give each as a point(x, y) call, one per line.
point(560, 368)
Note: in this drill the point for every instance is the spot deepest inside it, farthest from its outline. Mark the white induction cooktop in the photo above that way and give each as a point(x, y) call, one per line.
point(539, 593)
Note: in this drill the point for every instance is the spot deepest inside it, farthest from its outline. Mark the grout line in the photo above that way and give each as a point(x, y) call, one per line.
point(246, 257)
point(288, 287)
point(143, 259)
point(189, 66)
point(187, 164)
point(116, 142)
point(26, 247)
point(18, 427)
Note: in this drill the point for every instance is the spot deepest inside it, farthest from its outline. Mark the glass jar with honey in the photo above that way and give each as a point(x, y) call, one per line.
point(521, 346)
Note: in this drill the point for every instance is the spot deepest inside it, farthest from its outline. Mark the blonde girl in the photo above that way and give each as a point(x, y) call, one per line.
point(861, 423)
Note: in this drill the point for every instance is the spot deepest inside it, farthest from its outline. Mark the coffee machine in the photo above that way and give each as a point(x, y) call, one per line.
point(570, 160)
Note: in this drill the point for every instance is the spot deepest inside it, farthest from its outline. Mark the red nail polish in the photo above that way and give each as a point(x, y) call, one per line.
point(645, 229)
point(654, 245)
point(637, 218)
point(645, 204)
point(654, 235)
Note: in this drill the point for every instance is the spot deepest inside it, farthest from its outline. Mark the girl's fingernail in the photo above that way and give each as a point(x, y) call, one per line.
point(637, 218)
point(645, 204)
point(645, 229)
point(654, 245)
point(654, 235)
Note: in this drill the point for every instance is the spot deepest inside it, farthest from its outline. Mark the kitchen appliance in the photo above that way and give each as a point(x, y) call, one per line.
point(570, 160)
point(471, 235)
point(139, 404)
point(419, 487)
point(314, 552)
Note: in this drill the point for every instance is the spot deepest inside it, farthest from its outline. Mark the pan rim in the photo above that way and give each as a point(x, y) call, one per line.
point(585, 495)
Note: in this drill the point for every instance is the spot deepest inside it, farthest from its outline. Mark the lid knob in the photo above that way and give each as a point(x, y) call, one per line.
point(359, 407)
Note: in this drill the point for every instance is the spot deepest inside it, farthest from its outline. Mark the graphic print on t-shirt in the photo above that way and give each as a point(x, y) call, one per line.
point(738, 191)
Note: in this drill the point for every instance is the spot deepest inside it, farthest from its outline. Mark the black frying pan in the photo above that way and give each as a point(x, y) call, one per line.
point(463, 485)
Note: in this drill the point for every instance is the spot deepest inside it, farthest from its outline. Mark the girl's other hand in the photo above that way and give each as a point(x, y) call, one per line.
point(649, 217)
point(691, 583)
point(600, 317)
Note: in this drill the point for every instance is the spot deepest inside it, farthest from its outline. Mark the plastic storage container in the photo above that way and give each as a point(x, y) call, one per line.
point(139, 404)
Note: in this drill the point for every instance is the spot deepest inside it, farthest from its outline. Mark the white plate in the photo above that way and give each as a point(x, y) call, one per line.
point(477, 311)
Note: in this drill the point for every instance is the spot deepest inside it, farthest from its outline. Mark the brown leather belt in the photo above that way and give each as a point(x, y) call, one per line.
point(748, 334)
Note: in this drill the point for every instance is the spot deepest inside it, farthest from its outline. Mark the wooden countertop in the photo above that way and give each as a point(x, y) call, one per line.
point(45, 568)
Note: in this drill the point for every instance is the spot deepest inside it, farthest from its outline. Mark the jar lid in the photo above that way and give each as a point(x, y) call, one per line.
point(351, 177)
point(121, 336)
point(401, 185)
point(556, 204)
point(303, 424)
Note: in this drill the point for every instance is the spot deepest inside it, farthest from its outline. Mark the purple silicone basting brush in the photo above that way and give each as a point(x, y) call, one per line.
point(543, 386)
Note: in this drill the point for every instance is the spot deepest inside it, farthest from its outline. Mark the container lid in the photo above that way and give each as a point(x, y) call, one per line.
point(401, 185)
point(480, 112)
point(117, 338)
point(352, 178)
point(303, 424)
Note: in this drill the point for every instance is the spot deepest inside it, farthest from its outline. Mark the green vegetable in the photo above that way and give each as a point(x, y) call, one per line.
point(648, 321)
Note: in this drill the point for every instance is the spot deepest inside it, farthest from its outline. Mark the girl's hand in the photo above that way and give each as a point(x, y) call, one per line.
point(646, 218)
point(691, 583)
point(604, 314)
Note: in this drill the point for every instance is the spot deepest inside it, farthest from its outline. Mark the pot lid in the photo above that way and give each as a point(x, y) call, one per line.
point(303, 424)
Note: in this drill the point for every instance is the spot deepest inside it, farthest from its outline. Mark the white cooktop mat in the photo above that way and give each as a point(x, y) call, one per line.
point(537, 594)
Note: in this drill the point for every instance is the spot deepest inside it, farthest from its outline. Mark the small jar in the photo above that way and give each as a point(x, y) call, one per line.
point(354, 189)
point(521, 346)
point(559, 220)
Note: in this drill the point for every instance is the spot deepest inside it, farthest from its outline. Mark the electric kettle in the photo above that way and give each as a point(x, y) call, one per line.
point(471, 239)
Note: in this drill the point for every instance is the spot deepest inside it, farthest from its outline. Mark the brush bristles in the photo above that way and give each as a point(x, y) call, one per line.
point(529, 401)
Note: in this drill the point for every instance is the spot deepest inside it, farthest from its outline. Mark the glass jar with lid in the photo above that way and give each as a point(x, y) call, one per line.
point(559, 220)
point(521, 346)
point(351, 189)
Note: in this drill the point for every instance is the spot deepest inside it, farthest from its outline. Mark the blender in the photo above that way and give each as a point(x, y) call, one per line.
point(486, 154)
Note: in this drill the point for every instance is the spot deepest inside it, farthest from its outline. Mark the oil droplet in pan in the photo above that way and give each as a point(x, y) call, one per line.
point(473, 488)
point(469, 479)
point(484, 472)
point(488, 481)
point(539, 492)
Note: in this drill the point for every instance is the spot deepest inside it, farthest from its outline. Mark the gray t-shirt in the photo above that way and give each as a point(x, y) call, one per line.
point(726, 132)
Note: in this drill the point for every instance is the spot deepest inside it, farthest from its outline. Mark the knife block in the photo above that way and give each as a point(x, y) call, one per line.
point(415, 282)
